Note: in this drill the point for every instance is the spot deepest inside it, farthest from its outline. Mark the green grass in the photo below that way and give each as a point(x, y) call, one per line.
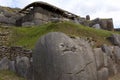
point(8, 75)
point(28, 36)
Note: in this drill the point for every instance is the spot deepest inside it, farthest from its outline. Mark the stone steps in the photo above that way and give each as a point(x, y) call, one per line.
point(116, 77)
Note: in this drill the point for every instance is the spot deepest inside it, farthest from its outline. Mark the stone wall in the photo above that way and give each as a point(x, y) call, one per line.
point(38, 16)
point(106, 24)
point(12, 52)
point(5, 35)
point(8, 16)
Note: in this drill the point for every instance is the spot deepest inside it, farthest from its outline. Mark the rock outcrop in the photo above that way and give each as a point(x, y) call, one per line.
point(21, 65)
point(106, 24)
point(57, 56)
point(38, 13)
point(115, 39)
point(8, 16)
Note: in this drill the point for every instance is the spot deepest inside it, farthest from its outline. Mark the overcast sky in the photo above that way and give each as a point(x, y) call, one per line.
point(94, 8)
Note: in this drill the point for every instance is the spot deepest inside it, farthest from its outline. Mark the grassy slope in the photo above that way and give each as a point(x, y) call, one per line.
point(27, 36)
point(7, 75)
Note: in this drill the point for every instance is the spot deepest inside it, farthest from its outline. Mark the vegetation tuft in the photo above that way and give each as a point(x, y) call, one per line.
point(8, 75)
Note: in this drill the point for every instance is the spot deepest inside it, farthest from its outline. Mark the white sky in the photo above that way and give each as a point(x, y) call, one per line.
point(94, 8)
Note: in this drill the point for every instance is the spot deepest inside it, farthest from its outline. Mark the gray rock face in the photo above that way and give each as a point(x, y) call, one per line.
point(99, 57)
point(112, 54)
point(115, 38)
point(108, 50)
point(58, 57)
point(8, 16)
point(117, 57)
point(103, 74)
point(12, 66)
point(22, 64)
point(117, 54)
point(29, 75)
point(4, 64)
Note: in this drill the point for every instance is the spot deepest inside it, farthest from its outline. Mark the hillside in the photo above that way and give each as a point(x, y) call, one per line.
point(85, 47)
point(27, 36)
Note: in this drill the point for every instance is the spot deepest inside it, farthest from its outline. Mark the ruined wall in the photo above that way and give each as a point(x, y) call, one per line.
point(106, 24)
point(38, 16)
point(12, 52)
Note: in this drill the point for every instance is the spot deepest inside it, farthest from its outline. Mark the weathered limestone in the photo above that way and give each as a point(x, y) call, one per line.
point(21, 65)
point(103, 74)
point(68, 57)
point(106, 24)
point(4, 63)
point(59, 57)
point(112, 59)
point(56, 56)
point(115, 39)
point(8, 18)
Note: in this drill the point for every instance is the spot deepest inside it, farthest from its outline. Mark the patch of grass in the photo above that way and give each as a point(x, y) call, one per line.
point(8, 75)
point(28, 36)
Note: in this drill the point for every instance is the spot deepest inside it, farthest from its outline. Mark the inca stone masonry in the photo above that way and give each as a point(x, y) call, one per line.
point(38, 13)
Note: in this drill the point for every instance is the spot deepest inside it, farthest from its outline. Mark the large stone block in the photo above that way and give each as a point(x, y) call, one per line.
point(99, 58)
point(103, 74)
point(115, 39)
point(4, 63)
point(21, 65)
point(58, 57)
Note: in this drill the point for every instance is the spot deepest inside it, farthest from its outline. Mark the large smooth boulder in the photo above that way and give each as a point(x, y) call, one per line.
point(58, 57)
point(21, 65)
